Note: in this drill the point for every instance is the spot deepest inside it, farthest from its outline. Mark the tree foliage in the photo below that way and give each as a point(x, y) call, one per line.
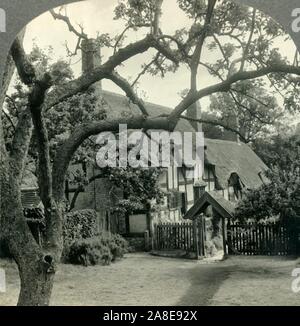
point(280, 196)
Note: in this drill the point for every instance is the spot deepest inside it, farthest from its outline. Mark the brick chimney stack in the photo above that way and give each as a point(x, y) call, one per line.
point(91, 57)
point(194, 112)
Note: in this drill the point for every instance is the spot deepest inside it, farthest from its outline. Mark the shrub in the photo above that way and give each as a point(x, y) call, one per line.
point(98, 250)
point(78, 225)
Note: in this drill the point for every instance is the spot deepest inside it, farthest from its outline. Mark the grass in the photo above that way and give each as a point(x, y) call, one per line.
point(141, 279)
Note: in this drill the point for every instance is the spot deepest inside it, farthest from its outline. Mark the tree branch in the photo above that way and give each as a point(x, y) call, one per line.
point(243, 61)
point(222, 51)
point(127, 28)
point(252, 113)
point(82, 83)
point(65, 152)
point(20, 143)
point(125, 86)
point(24, 67)
point(23, 133)
point(147, 66)
point(198, 50)
point(72, 29)
point(225, 86)
point(216, 123)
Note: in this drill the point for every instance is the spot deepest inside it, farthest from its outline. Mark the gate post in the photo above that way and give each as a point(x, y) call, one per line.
point(154, 238)
point(196, 237)
point(203, 235)
point(147, 240)
point(224, 230)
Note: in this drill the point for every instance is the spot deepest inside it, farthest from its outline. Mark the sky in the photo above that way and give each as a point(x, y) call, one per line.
point(97, 16)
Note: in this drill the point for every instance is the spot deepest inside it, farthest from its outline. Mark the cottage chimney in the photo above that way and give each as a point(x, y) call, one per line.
point(194, 112)
point(233, 122)
point(91, 57)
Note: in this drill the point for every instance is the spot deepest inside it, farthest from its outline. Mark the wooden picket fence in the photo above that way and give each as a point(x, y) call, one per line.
point(188, 237)
point(262, 239)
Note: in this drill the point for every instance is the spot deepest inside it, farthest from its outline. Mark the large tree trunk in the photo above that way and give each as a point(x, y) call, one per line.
point(36, 283)
point(35, 264)
point(36, 267)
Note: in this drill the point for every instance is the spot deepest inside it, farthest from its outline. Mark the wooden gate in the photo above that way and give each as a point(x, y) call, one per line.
point(188, 237)
point(262, 239)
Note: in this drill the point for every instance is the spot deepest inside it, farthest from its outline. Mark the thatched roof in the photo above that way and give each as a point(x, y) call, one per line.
point(228, 157)
point(117, 105)
point(231, 157)
point(224, 207)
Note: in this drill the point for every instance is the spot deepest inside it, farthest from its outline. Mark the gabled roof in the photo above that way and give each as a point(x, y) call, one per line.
point(227, 156)
point(224, 207)
point(230, 157)
point(117, 105)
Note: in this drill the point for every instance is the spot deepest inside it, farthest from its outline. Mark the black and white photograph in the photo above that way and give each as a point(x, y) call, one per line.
point(150, 156)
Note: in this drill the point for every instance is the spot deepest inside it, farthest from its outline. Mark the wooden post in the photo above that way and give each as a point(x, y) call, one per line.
point(203, 234)
point(196, 237)
point(154, 237)
point(147, 240)
point(224, 230)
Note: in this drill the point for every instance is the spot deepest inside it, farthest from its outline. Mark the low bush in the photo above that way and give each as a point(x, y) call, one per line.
point(78, 225)
point(98, 250)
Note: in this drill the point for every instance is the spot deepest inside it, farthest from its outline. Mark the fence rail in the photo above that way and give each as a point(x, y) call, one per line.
point(180, 236)
point(262, 239)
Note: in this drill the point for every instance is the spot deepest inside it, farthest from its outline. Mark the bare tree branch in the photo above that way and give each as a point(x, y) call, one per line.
point(222, 51)
point(225, 86)
point(251, 112)
point(147, 66)
point(72, 29)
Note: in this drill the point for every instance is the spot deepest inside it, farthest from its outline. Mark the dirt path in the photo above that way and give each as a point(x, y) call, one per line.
point(205, 282)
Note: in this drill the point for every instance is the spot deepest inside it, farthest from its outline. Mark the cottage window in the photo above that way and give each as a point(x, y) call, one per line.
point(209, 177)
